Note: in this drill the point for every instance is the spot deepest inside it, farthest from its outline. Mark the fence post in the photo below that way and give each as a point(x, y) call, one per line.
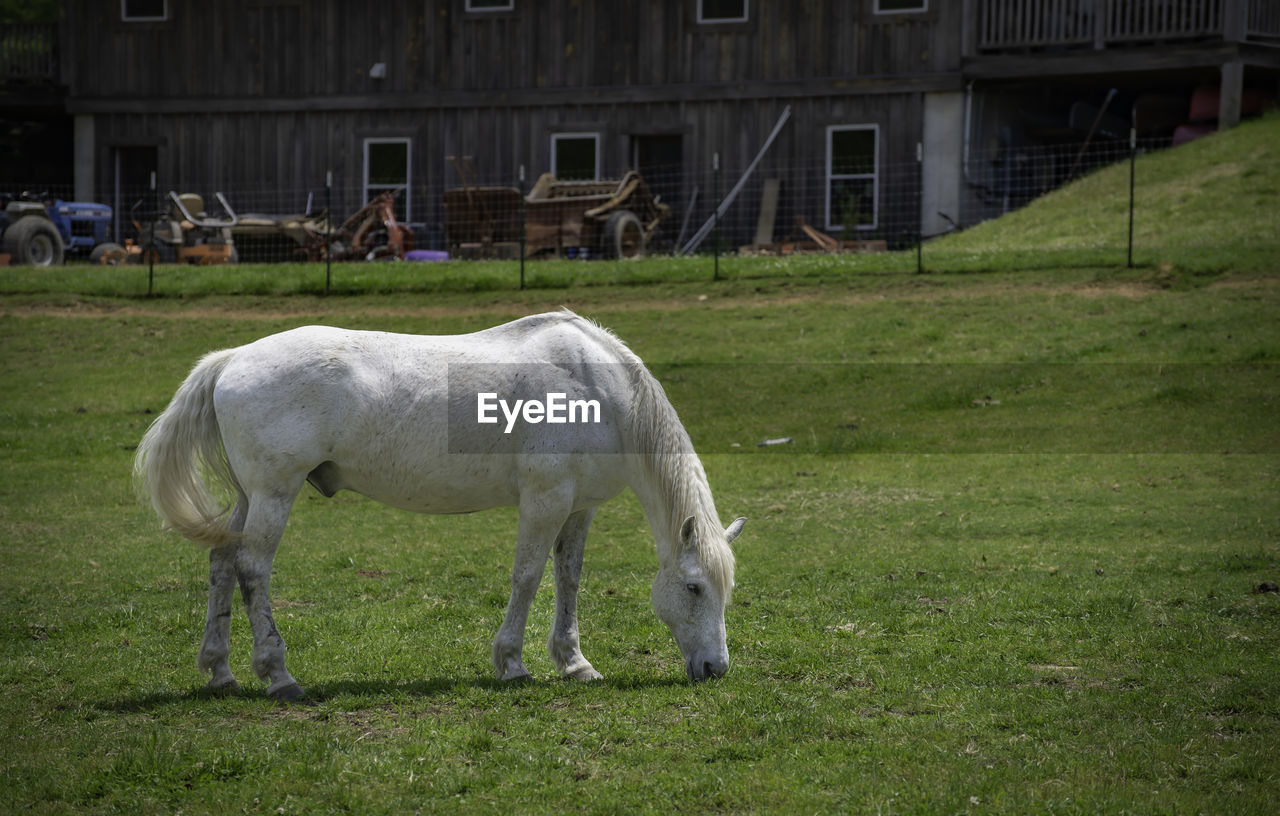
point(1133, 161)
point(154, 250)
point(715, 196)
point(919, 207)
point(328, 231)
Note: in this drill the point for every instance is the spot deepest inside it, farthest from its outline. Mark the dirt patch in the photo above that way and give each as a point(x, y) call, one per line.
point(286, 307)
point(1131, 291)
point(771, 294)
point(1245, 283)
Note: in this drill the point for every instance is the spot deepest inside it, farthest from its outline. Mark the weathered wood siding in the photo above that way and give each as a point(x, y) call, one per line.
point(259, 98)
point(292, 148)
point(283, 48)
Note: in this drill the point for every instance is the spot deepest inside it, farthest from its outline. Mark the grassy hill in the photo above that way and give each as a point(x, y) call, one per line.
point(1208, 205)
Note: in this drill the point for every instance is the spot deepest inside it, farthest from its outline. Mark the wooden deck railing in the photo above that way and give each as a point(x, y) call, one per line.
point(1264, 21)
point(1145, 20)
point(1033, 23)
point(28, 51)
point(1005, 24)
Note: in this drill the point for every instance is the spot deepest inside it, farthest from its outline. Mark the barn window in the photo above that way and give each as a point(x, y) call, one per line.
point(852, 180)
point(575, 156)
point(491, 5)
point(136, 11)
point(722, 11)
point(387, 168)
point(898, 6)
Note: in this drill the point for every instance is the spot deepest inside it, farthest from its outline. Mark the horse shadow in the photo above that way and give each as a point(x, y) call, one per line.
point(424, 688)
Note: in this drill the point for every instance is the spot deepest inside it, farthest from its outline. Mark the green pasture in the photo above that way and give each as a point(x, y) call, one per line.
point(953, 626)
point(1018, 555)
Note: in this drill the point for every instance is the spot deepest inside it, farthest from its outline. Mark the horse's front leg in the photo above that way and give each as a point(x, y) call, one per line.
point(563, 644)
point(215, 648)
point(541, 517)
point(265, 524)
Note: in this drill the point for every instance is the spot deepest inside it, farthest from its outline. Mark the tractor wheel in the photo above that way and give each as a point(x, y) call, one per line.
point(108, 254)
point(33, 241)
point(623, 235)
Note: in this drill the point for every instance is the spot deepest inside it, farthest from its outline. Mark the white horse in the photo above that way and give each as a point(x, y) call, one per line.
point(431, 424)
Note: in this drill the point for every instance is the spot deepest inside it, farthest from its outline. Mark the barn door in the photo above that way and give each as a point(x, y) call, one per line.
point(660, 160)
point(131, 182)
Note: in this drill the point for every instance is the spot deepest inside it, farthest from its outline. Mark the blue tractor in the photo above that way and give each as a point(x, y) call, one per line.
point(83, 226)
point(40, 232)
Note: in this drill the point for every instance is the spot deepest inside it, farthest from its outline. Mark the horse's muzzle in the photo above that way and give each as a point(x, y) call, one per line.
point(705, 670)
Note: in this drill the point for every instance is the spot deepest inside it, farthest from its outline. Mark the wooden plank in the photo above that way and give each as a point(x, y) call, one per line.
point(728, 199)
point(1112, 60)
point(826, 242)
point(768, 211)
point(555, 97)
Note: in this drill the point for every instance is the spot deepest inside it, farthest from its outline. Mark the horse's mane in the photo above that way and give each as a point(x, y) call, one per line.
point(655, 434)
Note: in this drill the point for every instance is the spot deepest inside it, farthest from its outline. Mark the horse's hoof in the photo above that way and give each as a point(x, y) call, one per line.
point(291, 693)
point(586, 674)
point(223, 686)
point(520, 675)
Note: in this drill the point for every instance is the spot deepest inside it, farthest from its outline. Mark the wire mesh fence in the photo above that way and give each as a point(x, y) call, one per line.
point(459, 213)
point(1008, 178)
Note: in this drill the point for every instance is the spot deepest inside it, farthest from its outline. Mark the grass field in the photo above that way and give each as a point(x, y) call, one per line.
point(1014, 559)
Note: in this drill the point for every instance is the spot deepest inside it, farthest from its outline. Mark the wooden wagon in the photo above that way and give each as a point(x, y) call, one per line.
point(610, 219)
point(482, 222)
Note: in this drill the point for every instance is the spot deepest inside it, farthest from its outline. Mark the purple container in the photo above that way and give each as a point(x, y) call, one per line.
point(426, 255)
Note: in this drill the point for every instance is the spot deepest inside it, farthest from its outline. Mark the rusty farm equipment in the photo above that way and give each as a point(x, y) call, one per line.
point(186, 233)
point(610, 218)
point(267, 238)
point(371, 234)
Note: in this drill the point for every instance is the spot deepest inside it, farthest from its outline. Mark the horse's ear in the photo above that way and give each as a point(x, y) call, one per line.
point(735, 529)
point(688, 535)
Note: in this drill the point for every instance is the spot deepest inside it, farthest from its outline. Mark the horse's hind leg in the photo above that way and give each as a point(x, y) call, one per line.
point(563, 642)
point(216, 645)
point(542, 514)
point(264, 525)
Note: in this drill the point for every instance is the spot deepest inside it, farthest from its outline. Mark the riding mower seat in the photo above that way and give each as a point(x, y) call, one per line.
point(194, 235)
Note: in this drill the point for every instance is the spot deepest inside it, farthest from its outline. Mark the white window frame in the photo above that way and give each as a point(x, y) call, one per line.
point(593, 135)
point(874, 175)
point(124, 13)
point(510, 5)
point(924, 6)
point(408, 171)
point(746, 15)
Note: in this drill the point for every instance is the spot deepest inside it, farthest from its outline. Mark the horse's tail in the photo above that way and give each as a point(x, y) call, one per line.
point(179, 449)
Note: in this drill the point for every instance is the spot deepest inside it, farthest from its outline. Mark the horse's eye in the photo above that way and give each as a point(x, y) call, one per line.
point(694, 588)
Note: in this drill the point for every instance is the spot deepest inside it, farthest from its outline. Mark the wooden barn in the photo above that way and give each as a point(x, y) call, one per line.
point(903, 114)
